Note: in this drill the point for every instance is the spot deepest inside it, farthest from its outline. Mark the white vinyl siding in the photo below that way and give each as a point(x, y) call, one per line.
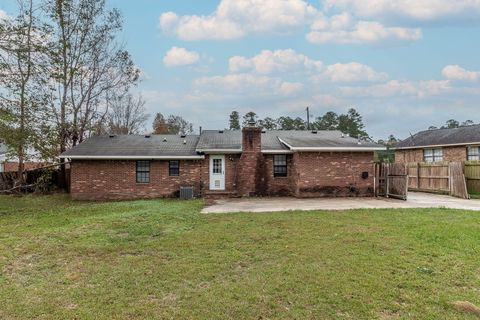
point(433, 155)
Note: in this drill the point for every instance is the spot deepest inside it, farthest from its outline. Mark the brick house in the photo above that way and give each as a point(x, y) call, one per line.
point(7, 165)
point(223, 163)
point(457, 144)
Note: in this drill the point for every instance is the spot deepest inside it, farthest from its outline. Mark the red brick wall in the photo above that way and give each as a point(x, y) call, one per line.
point(455, 153)
point(278, 186)
point(250, 168)
point(333, 174)
point(416, 155)
point(117, 179)
point(13, 166)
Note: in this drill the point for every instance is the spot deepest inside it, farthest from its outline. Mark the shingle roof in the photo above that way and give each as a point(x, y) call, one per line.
point(276, 139)
point(439, 137)
point(135, 146)
point(323, 139)
point(172, 146)
point(220, 139)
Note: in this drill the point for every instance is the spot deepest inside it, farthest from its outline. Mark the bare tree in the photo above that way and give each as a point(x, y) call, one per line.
point(126, 114)
point(22, 50)
point(86, 62)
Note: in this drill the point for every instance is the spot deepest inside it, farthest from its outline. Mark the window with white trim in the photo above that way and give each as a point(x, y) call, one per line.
point(433, 155)
point(280, 165)
point(174, 168)
point(143, 171)
point(473, 154)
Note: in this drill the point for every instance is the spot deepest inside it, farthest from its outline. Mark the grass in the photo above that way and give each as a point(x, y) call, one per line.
point(162, 259)
point(475, 195)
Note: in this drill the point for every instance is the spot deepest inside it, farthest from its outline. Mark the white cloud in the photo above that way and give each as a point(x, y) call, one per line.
point(393, 88)
point(234, 19)
point(455, 72)
point(4, 15)
point(290, 63)
point(180, 57)
point(359, 33)
point(267, 62)
point(354, 71)
point(243, 83)
point(419, 10)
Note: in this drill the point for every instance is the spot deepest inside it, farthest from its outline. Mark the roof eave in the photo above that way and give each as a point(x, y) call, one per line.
point(219, 151)
point(277, 151)
point(438, 145)
point(338, 149)
point(87, 157)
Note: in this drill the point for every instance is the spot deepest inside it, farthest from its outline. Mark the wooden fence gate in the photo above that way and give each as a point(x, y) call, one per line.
point(391, 180)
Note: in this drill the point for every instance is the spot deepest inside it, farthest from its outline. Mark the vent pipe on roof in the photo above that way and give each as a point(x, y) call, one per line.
point(164, 139)
point(314, 131)
point(147, 136)
point(184, 141)
point(111, 136)
point(183, 135)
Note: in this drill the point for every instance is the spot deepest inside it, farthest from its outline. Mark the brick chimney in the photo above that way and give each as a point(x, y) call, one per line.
point(249, 175)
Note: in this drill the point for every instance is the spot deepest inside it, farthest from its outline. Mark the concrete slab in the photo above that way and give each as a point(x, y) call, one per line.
point(415, 200)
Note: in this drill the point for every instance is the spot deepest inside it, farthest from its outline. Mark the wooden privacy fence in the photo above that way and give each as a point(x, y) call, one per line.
point(472, 175)
point(31, 177)
point(441, 177)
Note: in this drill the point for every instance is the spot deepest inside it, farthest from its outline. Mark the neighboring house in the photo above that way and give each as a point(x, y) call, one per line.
point(457, 144)
point(7, 165)
point(223, 163)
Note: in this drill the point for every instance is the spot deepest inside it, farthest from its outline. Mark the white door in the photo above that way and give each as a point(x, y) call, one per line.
point(217, 172)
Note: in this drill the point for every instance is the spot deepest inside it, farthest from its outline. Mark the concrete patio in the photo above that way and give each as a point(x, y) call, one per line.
point(415, 200)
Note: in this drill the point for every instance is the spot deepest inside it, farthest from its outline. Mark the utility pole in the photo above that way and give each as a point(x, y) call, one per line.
point(308, 118)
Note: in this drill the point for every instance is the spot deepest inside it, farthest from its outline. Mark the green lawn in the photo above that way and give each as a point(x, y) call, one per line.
point(162, 259)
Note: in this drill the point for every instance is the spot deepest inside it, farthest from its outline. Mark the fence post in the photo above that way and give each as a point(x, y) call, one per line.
point(418, 175)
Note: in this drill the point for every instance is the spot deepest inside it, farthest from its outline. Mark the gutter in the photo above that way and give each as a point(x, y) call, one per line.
point(219, 151)
point(132, 157)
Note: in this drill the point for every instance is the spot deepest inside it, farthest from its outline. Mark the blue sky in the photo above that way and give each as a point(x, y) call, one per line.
point(405, 65)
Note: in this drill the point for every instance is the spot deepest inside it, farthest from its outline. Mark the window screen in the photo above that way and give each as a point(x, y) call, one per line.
point(174, 168)
point(280, 165)
point(473, 153)
point(143, 171)
point(433, 155)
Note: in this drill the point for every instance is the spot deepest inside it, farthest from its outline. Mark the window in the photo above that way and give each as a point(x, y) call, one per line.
point(174, 168)
point(143, 171)
point(217, 166)
point(280, 165)
point(473, 153)
point(433, 155)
